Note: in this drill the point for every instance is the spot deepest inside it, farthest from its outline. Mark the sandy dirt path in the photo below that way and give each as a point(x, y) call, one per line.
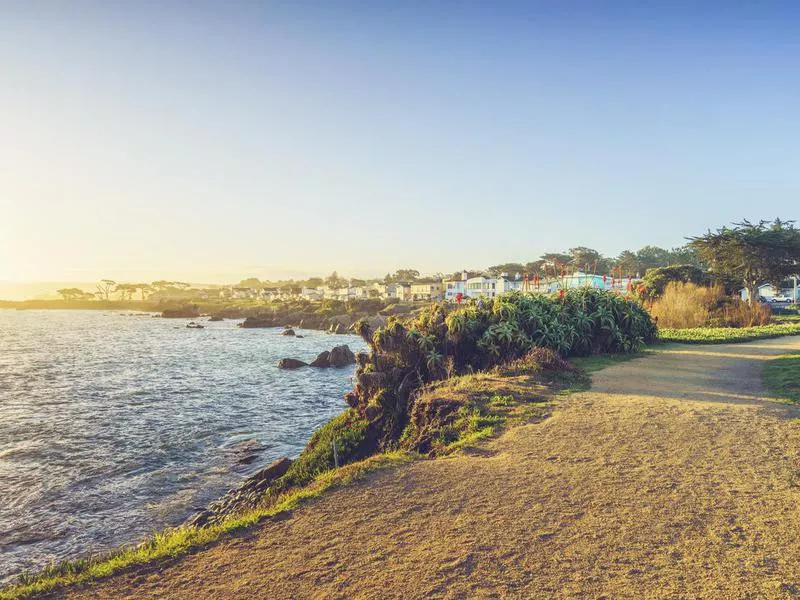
point(672, 477)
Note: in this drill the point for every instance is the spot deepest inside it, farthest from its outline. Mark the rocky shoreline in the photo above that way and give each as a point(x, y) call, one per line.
point(253, 489)
point(247, 496)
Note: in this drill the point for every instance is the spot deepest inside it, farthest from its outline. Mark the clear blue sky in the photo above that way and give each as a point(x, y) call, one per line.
point(211, 141)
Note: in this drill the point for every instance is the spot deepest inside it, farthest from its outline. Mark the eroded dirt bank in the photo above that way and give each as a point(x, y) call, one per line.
point(673, 476)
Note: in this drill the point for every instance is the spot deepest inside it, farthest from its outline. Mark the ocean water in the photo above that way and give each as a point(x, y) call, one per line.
point(113, 426)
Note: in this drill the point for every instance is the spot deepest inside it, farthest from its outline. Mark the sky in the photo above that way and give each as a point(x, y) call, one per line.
point(209, 142)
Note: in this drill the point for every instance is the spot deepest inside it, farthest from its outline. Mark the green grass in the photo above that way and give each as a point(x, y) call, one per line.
point(171, 543)
point(726, 335)
point(786, 318)
point(781, 376)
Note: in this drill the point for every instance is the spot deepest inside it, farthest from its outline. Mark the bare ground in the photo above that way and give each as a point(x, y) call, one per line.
point(672, 477)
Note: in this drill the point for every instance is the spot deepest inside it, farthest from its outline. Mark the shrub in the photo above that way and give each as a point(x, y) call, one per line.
point(443, 340)
point(655, 281)
point(538, 359)
point(686, 305)
point(350, 431)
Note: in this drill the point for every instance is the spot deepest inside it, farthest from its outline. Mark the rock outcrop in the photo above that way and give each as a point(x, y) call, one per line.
point(254, 322)
point(323, 360)
point(289, 331)
point(185, 312)
point(291, 363)
point(246, 496)
point(342, 356)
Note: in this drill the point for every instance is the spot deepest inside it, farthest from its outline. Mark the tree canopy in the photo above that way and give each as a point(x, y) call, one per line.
point(74, 294)
point(751, 253)
point(511, 268)
point(402, 275)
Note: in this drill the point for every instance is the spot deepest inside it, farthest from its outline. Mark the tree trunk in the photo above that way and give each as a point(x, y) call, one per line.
point(752, 292)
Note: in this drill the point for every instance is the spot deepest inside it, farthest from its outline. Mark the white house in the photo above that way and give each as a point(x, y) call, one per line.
point(454, 287)
point(769, 291)
point(481, 286)
point(385, 290)
point(509, 284)
point(403, 291)
point(243, 293)
point(312, 293)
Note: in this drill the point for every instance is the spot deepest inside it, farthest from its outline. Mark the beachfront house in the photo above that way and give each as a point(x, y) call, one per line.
point(243, 293)
point(454, 287)
point(308, 293)
point(403, 291)
point(581, 280)
point(507, 284)
point(480, 286)
point(430, 289)
point(384, 290)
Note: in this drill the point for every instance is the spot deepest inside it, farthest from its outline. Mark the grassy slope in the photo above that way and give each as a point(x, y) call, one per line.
point(781, 376)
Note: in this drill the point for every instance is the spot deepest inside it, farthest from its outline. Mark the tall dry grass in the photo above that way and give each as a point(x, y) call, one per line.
point(685, 305)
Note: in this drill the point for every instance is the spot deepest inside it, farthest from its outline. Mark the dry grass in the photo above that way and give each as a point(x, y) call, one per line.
point(687, 305)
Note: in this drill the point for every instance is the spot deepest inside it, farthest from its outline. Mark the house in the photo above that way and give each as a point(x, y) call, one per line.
point(454, 287)
point(312, 293)
point(243, 293)
point(507, 284)
point(580, 280)
point(270, 293)
point(403, 291)
point(384, 290)
point(768, 292)
point(481, 286)
point(426, 290)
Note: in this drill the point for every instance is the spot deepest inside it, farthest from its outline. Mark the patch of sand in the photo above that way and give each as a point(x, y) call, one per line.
point(672, 477)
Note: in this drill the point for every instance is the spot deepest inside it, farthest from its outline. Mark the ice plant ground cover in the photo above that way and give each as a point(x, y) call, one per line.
point(719, 335)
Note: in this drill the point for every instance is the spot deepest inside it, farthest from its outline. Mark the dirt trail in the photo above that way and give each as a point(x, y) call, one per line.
point(672, 477)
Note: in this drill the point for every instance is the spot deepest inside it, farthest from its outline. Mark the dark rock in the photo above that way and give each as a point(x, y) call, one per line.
point(291, 363)
point(201, 519)
point(254, 322)
point(247, 495)
point(372, 382)
point(341, 322)
point(268, 474)
point(185, 312)
point(246, 452)
point(341, 356)
point(289, 332)
point(323, 360)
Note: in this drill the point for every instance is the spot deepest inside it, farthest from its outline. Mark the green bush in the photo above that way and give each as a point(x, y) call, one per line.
point(445, 340)
point(655, 281)
point(350, 432)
